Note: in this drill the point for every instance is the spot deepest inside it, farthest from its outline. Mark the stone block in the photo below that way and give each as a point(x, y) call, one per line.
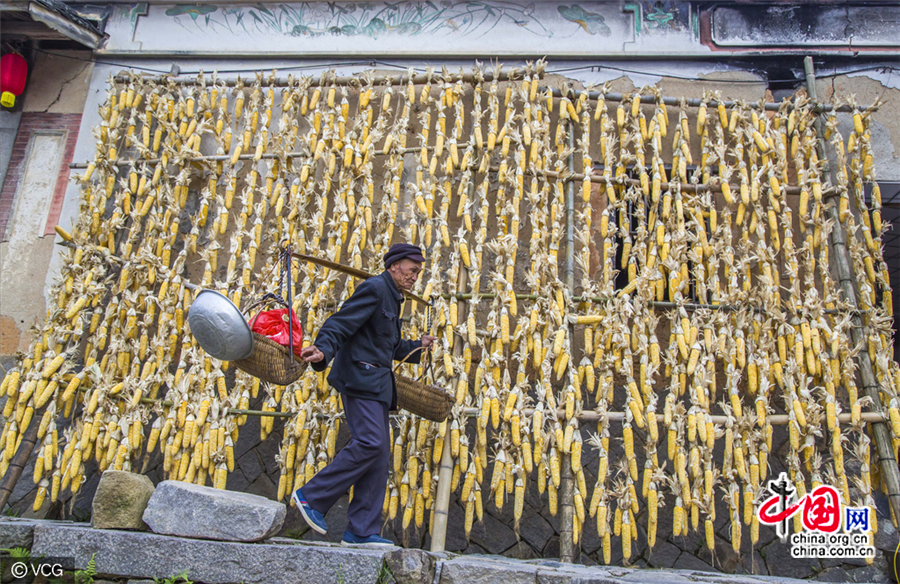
point(780, 562)
point(691, 562)
point(520, 551)
point(663, 576)
point(571, 574)
point(268, 450)
point(591, 541)
point(136, 555)
point(236, 481)
point(551, 549)
point(120, 500)
point(411, 566)
point(722, 558)
point(187, 510)
point(15, 532)
point(664, 555)
point(836, 574)
point(753, 564)
point(263, 487)
point(534, 529)
point(474, 548)
point(486, 570)
point(493, 535)
point(456, 534)
point(250, 465)
point(886, 537)
point(24, 487)
point(877, 573)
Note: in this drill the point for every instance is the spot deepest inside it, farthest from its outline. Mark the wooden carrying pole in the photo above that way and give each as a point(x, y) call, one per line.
point(841, 263)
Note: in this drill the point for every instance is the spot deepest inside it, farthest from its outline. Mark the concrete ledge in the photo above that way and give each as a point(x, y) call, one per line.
point(147, 555)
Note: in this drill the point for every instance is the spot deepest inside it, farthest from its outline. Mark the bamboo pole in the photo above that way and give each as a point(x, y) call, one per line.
point(842, 266)
point(342, 81)
point(442, 497)
point(651, 303)
point(421, 79)
point(714, 186)
point(567, 487)
point(583, 416)
point(692, 102)
point(250, 156)
point(20, 458)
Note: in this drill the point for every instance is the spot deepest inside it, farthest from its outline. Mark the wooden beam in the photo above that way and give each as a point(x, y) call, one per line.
point(30, 29)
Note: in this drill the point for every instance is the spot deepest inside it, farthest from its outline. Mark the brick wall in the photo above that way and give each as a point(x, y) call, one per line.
point(31, 122)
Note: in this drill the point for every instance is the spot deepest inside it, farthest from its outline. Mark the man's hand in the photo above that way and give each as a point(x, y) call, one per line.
point(311, 354)
point(428, 340)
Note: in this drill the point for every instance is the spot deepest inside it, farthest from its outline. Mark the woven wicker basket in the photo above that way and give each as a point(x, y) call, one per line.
point(271, 362)
point(427, 401)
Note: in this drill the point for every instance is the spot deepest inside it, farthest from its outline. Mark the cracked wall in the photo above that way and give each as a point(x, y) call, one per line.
point(59, 83)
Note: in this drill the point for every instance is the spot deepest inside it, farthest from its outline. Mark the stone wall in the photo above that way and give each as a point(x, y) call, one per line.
point(256, 472)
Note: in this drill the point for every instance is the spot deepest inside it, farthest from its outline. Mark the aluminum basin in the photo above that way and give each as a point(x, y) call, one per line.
point(219, 327)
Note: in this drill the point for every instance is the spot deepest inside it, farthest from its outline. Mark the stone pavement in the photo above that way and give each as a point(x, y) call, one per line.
point(133, 556)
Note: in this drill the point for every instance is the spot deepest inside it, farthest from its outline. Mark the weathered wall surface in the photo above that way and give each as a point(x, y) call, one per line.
point(35, 185)
point(59, 83)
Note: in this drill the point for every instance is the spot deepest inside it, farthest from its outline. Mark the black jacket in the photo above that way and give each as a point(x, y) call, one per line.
point(363, 337)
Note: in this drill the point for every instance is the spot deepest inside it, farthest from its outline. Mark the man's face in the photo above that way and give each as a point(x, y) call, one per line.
point(405, 273)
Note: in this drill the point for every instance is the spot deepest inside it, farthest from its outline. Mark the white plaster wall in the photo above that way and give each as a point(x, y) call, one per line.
point(57, 84)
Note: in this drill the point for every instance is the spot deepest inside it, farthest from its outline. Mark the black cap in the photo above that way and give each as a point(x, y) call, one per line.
point(399, 251)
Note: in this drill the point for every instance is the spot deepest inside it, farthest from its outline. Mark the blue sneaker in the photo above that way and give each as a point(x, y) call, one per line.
point(350, 539)
point(312, 517)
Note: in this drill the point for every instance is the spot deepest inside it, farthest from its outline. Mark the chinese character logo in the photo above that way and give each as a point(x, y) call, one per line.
point(856, 518)
point(778, 508)
point(820, 510)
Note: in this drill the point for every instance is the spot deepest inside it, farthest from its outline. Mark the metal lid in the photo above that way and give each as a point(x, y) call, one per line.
point(219, 327)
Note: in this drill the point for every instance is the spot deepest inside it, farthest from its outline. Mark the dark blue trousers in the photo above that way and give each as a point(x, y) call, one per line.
point(362, 464)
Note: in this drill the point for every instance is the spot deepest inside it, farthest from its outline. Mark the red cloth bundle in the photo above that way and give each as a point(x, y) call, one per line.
point(274, 325)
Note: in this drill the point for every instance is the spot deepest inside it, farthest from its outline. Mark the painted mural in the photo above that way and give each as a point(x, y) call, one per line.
point(315, 19)
point(449, 27)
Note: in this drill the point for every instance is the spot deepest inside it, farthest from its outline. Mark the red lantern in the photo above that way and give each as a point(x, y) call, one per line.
point(13, 71)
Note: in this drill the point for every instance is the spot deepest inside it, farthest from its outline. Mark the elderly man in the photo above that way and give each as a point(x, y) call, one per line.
point(363, 337)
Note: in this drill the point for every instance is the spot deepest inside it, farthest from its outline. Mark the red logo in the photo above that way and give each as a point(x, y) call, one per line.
point(820, 510)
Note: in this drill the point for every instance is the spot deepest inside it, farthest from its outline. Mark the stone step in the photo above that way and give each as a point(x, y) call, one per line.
point(138, 555)
point(186, 510)
point(148, 555)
